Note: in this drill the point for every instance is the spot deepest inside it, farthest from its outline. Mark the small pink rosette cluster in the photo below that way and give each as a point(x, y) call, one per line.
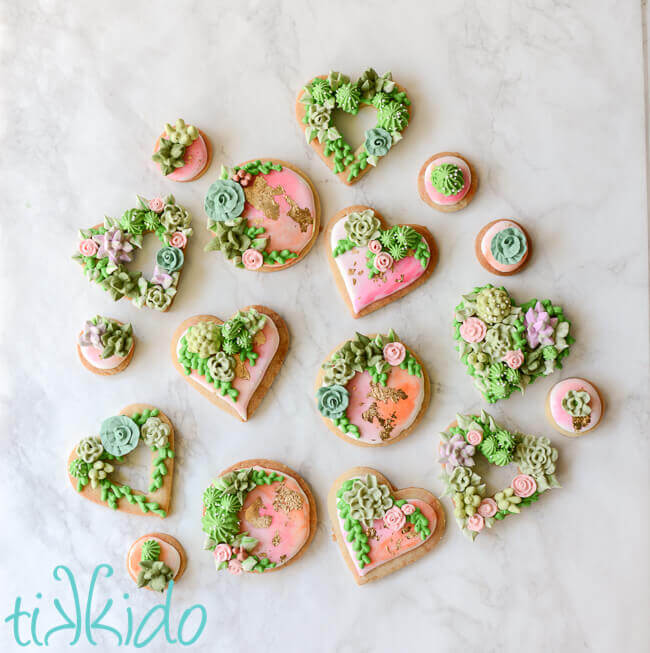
point(524, 485)
point(473, 329)
point(394, 353)
point(394, 519)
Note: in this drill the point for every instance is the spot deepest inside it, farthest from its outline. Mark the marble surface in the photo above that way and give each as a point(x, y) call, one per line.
point(546, 98)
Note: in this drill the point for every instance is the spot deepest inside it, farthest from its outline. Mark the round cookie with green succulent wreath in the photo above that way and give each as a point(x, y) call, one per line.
point(471, 436)
point(316, 111)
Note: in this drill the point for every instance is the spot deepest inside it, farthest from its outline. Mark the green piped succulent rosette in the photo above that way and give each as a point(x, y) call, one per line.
point(480, 434)
point(506, 346)
point(107, 336)
point(93, 461)
point(323, 96)
point(104, 251)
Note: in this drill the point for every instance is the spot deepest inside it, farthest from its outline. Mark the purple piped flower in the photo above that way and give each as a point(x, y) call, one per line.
point(456, 452)
point(540, 327)
point(116, 245)
point(92, 335)
point(161, 278)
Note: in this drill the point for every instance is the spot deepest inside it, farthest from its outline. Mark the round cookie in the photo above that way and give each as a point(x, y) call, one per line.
point(574, 407)
point(447, 182)
point(105, 346)
point(155, 559)
point(182, 152)
point(503, 247)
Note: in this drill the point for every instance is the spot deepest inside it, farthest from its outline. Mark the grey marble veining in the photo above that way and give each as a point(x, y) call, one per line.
point(545, 97)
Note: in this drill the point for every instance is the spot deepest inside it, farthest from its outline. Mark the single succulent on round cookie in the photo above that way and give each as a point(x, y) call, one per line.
point(509, 246)
point(204, 339)
point(447, 179)
point(576, 403)
point(493, 305)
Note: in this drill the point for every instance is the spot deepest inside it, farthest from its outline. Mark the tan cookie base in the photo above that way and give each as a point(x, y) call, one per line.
point(114, 370)
point(380, 303)
point(162, 496)
point(208, 147)
point(447, 208)
point(283, 469)
point(484, 262)
point(384, 443)
point(172, 541)
point(267, 379)
point(407, 493)
point(577, 434)
point(320, 147)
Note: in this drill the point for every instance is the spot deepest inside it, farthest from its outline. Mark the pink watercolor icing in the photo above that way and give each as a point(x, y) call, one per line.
point(362, 290)
point(439, 198)
point(487, 240)
point(561, 417)
point(388, 544)
point(406, 410)
point(196, 158)
point(94, 357)
point(284, 233)
point(246, 387)
point(168, 554)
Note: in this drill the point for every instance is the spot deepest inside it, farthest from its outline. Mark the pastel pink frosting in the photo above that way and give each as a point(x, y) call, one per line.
point(196, 158)
point(561, 417)
point(439, 198)
point(94, 357)
point(524, 485)
point(487, 240)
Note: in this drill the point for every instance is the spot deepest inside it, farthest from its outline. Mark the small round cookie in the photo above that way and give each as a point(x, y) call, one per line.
point(447, 182)
point(155, 559)
point(182, 152)
point(574, 407)
point(105, 346)
point(502, 247)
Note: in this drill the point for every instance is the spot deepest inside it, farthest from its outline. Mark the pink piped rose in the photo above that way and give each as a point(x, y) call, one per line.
point(394, 519)
point(474, 437)
point(394, 353)
point(487, 508)
point(473, 330)
point(222, 553)
point(475, 522)
point(157, 204)
point(524, 485)
point(252, 259)
point(178, 239)
point(88, 247)
point(374, 246)
point(514, 359)
point(408, 508)
point(234, 567)
point(383, 261)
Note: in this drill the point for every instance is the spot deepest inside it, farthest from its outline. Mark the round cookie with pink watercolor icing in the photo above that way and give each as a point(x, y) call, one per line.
point(447, 182)
point(182, 152)
point(264, 215)
point(258, 517)
point(503, 247)
point(105, 346)
point(574, 407)
point(371, 391)
point(155, 560)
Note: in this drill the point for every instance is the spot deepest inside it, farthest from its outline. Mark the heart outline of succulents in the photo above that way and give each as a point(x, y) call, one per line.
point(271, 339)
point(385, 389)
point(323, 94)
point(356, 237)
point(469, 435)
point(414, 523)
point(90, 463)
point(506, 346)
point(105, 248)
point(258, 204)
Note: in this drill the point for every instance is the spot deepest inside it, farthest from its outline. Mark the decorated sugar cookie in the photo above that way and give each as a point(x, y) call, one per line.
point(105, 346)
point(372, 390)
point(472, 435)
point(232, 363)
point(155, 560)
point(323, 96)
point(506, 346)
point(375, 264)
point(503, 247)
point(574, 407)
point(92, 463)
point(104, 250)
point(447, 182)
point(379, 528)
point(264, 215)
point(259, 516)
point(182, 152)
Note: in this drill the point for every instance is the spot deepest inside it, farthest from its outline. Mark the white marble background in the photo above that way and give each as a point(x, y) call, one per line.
point(545, 97)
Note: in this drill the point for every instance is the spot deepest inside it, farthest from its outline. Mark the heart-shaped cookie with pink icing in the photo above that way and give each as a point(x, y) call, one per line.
point(232, 363)
point(374, 264)
point(379, 528)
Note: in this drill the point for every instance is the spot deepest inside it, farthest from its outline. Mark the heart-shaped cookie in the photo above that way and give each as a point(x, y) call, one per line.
point(321, 98)
point(506, 346)
point(92, 462)
point(372, 391)
point(232, 363)
point(379, 528)
point(374, 264)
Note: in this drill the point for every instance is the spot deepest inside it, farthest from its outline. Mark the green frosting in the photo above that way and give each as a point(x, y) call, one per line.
point(232, 239)
point(170, 258)
point(498, 340)
point(466, 502)
point(181, 133)
point(370, 84)
point(99, 471)
point(368, 499)
point(498, 447)
point(238, 483)
point(169, 156)
point(348, 97)
point(221, 366)
point(90, 449)
point(338, 371)
point(337, 79)
point(122, 283)
point(378, 141)
point(393, 116)
point(463, 477)
point(447, 179)
point(119, 435)
point(362, 227)
point(536, 457)
point(221, 519)
point(399, 239)
point(155, 433)
point(509, 246)
point(117, 340)
point(154, 574)
point(493, 305)
point(362, 353)
point(175, 217)
point(508, 501)
point(225, 200)
point(576, 403)
point(150, 550)
point(158, 298)
point(79, 469)
point(318, 120)
point(204, 339)
point(321, 91)
point(332, 400)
